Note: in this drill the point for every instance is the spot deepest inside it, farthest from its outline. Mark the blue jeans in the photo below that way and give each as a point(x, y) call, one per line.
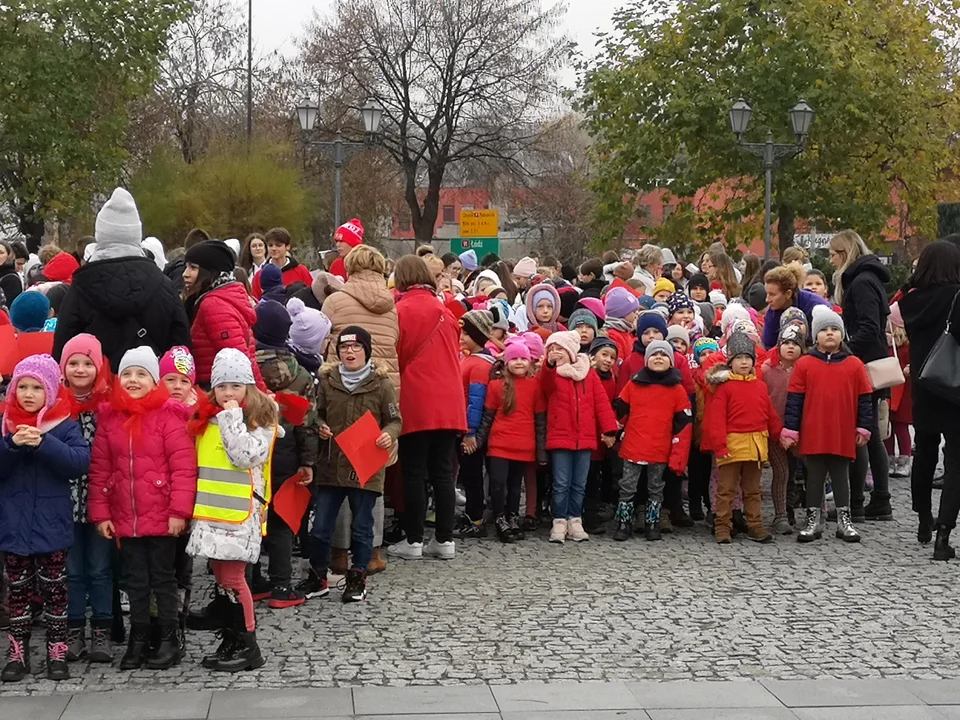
point(328, 502)
point(89, 574)
point(570, 470)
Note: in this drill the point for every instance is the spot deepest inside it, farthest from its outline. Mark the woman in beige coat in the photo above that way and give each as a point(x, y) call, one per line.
point(365, 300)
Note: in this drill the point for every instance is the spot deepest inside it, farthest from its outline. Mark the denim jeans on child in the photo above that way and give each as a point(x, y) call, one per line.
point(570, 469)
point(329, 500)
point(89, 575)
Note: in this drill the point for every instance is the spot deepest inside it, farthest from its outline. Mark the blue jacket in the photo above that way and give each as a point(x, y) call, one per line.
point(806, 301)
point(36, 509)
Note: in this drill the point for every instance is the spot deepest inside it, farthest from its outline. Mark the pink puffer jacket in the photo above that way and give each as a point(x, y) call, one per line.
point(140, 484)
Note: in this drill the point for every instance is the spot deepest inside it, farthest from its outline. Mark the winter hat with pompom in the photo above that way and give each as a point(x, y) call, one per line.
point(309, 328)
point(535, 343)
point(568, 340)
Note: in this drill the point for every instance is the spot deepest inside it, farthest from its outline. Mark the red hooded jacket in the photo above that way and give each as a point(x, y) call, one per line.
point(224, 318)
point(578, 412)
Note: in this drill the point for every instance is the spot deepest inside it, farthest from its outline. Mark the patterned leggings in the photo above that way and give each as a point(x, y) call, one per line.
point(784, 467)
point(23, 573)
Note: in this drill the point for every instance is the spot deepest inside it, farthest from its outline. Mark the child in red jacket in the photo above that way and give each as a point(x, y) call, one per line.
point(476, 329)
point(738, 424)
point(577, 411)
point(828, 416)
point(606, 468)
point(143, 484)
point(514, 430)
point(657, 435)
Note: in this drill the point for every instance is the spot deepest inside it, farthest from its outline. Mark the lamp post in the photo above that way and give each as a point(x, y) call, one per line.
point(340, 149)
point(801, 117)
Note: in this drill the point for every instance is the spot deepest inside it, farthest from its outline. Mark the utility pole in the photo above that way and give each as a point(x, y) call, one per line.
point(249, 74)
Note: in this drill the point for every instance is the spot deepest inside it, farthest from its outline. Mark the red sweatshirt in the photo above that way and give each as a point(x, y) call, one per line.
point(513, 436)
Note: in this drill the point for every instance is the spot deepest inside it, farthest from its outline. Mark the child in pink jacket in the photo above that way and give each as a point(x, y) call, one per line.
point(143, 484)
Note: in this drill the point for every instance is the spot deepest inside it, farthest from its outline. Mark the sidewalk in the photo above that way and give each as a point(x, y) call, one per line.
point(684, 700)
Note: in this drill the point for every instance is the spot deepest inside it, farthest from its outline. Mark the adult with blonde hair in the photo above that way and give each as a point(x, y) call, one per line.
point(648, 262)
point(365, 301)
point(724, 272)
point(859, 290)
point(782, 284)
point(432, 405)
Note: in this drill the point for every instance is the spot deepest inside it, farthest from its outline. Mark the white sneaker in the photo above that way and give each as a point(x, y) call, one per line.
point(444, 551)
point(461, 498)
point(558, 533)
point(406, 550)
point(575, 530)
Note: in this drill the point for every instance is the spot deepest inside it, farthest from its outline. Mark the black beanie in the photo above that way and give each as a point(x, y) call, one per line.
point(273, 323)
point(698, 280)
point(212, 255)
point(355, 333)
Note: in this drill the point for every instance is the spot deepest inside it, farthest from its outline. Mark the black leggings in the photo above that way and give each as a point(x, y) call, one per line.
point(924, 466)
point(427, 457)
point(506, 480)
point(872, 456)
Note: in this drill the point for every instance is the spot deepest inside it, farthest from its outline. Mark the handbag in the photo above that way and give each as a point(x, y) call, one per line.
point(885, 373)
point(940, 373)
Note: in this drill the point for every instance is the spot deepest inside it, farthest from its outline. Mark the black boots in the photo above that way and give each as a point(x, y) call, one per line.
point(168, 654)
point(925, 528)
point(245, 656)
point(18, 661)
point(213, 616)
point(878, 508)
point(228, 642)
point(941, 546)
point(57, 661)
point(137, 648)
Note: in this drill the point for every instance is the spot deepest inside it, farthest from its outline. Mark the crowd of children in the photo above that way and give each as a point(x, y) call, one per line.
point(614, 397)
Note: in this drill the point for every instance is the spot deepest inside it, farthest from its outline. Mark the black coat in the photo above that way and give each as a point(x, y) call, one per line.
point(174, 271)
point(593, 288)
point(10, 281)
point(925, 313)
point(865, 308)
point(308, 298)
point(124, 302)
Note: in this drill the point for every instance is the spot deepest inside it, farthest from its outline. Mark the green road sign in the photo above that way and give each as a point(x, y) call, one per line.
point(481, 246)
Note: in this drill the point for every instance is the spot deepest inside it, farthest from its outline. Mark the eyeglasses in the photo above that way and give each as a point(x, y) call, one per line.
point(351, 347)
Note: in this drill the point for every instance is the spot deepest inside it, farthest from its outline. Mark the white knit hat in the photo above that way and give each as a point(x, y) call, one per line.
point(823, 318)
point(568, 340)
point(231, 366)
point(118, 222)
point(142, 357)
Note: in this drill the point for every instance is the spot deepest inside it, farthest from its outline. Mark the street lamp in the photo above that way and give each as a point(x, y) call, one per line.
point(801, 117)
point(340, 149)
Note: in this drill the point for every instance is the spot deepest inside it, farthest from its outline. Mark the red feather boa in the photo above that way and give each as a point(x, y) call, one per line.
point(14, 415)
point(136, 408)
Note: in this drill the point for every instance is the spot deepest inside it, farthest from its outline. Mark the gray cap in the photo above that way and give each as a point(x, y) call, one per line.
point(659, 346)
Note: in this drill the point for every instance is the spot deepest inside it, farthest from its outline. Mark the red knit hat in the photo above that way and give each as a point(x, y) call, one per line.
point(61, 268)
point(350, 232)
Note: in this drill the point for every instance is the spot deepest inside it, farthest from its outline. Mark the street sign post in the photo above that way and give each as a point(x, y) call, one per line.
point(479, 223)
point(481, 246)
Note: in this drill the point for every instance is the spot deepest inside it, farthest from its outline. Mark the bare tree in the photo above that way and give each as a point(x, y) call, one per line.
point(459, 80)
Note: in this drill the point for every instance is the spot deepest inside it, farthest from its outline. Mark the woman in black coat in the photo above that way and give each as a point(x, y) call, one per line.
point(859, 281)
point(10, 283)
point(925, 307)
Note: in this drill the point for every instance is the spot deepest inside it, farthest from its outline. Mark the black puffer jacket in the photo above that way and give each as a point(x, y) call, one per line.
point(10, 281)
point(865, 308)
point(174, 271)
point(124, 302)
point(925, 312)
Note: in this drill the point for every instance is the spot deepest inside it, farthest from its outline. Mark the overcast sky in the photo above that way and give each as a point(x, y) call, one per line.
point(278, 23)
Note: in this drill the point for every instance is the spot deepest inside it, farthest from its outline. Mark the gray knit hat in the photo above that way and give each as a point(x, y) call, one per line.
point(823, 318)
point(141, 357)
point(659, 346)
point(231, 366)
point(740, 344)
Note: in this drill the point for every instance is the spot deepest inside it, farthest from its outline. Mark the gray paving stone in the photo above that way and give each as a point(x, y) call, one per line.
point(873, 712)
point(138, 706)
point(468, 716)
point(935, 692)
point(770, 713)
point(540, 697)
point(424, 700)
point(33, 708)
point(840, 693)
point(579, 715)
point(951, 712)
point(690, 694)
point(293, 702)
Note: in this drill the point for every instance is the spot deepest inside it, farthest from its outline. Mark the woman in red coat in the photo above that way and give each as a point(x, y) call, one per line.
point(432, 405)
point(218, 308)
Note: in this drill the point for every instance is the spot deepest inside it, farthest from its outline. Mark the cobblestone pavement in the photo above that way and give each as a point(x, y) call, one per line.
point(683, 608)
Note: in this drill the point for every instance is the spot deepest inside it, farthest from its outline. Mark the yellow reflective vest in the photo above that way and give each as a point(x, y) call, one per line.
point(225, 493)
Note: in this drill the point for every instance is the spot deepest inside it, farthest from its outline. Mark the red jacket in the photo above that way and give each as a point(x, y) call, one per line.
point(338, 268)
point(636, 362)
point(738, 407)
point(224, 318)
point(139, 484)
point(514, 436)
point(577, 412)
point(431, 390)
point(659, 420)
point(292, 272)
point(828, 401)
point(624, 342)
point(610, 386)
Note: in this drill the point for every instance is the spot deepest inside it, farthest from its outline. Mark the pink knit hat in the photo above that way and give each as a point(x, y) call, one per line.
point(535, 343)
point(43, 369)
point(82, 344)
point(178, 361)
point(594, 305)
point(516, 349)
point(568, 340)
point(896, 317)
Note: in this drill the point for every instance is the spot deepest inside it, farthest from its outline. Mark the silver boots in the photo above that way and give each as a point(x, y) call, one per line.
point(811, 530)
point(845, 529)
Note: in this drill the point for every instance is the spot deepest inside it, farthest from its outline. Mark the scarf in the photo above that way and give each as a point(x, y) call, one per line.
point(351, 379)
point(137, 408)
point(617, 324)
point(576, 370)
point(114, 251)
point(44, 420)
point(98, 394)
point(203, 412)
